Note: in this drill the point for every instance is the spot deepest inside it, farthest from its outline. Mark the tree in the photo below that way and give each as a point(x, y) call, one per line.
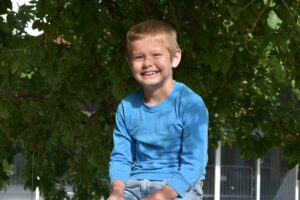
point(59, 91)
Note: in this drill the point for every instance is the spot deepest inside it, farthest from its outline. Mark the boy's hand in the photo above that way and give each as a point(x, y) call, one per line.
point(117, 193)
point(166, 193)
point(156, 196)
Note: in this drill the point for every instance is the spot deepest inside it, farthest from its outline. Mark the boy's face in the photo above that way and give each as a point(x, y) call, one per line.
point(151, 63)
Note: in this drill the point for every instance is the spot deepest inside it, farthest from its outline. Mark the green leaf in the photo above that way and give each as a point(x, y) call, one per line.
point(15, 66)
point(214, 65)
point(203, 39)
point(233, 10)
point(273, 20)
point(39, 25)
point(271, 4)
point(43, 71)
point(278, 70)
point(4, 113)
point(226, 57)
point(4, 27)
point(127, 23)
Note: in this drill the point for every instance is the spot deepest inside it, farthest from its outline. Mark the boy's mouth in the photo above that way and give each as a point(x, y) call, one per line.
point(149, 73)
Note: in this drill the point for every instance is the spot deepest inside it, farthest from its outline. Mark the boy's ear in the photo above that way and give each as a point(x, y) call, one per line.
point(176, 58)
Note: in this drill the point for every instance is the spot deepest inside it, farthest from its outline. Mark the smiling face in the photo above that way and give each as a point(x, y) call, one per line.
point(151, 63)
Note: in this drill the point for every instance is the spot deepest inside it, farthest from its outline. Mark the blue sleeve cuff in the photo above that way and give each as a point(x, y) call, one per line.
point(122, 175)
point(179, 184)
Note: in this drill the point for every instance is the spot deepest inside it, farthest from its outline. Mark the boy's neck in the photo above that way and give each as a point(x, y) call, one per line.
point(155, 96)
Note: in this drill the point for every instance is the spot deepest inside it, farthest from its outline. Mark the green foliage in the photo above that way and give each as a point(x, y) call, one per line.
point(5, 4)
point(273, 20)
point(57, 99)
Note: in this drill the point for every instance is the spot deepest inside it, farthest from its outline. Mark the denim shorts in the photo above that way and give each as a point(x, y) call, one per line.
point(138, 189)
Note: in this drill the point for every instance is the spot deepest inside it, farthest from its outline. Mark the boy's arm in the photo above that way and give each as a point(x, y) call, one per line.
point(118, 186)
point(121, 158)
point(117, 192)
point(194, 145)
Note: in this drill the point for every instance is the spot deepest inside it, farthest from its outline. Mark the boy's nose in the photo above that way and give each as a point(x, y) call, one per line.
point(147, 63)
point(146, 66)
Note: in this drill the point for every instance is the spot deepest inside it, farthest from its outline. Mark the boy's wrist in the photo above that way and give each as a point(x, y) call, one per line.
point(118, 190)
point(118, 187)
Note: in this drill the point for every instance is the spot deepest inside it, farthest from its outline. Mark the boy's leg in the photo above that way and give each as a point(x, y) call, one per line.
point(156, 185)
point(133, 190)
point(138, 189)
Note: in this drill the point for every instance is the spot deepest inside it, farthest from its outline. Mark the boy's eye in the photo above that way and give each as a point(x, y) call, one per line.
point(156, 54)
point(137, 57)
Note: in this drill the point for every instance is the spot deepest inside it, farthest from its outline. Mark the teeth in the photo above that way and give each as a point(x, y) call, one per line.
point(149, 73)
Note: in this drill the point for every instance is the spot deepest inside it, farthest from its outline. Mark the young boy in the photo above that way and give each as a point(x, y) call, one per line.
point(160, 137)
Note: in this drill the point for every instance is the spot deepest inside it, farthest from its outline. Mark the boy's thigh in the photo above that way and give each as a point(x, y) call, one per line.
point(138, 189)
point(130, 196)
point(195, 193)
point(132, 190)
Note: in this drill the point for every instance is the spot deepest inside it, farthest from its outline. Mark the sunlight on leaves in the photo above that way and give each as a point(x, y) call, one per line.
point(273, 20)
point(271, 4)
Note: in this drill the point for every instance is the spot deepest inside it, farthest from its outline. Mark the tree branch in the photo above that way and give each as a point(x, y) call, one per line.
point(17, 98)
point(290, 14)
point(112, 8)
point(9, 95)
point(259, 16)
point(173, 13)
point(245, 7)
point(254, 26)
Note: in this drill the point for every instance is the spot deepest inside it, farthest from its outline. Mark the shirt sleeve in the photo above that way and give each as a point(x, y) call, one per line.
point(194, 145)
point(121, 158)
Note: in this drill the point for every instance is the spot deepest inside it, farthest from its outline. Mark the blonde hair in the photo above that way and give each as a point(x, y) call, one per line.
point(156, 29)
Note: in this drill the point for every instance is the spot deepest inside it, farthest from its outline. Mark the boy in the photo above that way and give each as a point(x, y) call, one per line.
point(160, 137)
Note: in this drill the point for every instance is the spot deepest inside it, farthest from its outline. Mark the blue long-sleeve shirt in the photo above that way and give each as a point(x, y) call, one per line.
point(167, 141)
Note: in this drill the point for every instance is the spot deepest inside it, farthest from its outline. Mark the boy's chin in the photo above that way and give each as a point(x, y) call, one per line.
point(152, 86)
point(149, 85)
